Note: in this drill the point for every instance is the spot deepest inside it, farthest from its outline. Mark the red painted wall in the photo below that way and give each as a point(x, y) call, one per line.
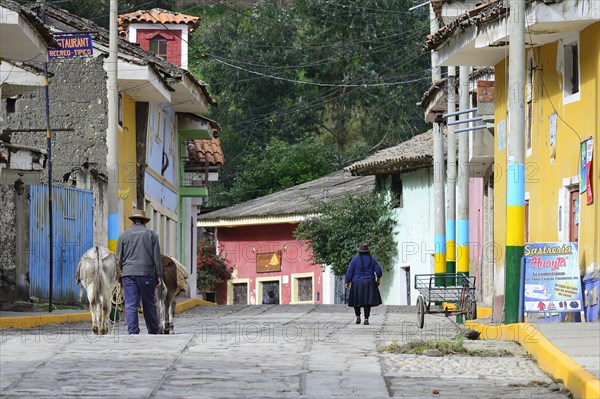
point(239, 246)
point(173, 38)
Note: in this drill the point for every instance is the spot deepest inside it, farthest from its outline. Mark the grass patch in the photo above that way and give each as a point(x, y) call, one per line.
point(441, 348)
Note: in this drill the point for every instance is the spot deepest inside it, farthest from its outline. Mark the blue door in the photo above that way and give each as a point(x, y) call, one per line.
point(72, 236)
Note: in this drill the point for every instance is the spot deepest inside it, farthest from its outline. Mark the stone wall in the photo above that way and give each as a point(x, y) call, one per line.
point(8, 232)
point(78, 101)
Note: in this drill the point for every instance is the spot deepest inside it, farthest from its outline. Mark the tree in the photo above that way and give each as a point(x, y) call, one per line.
point(212, 270)
point(340, 226)
point(278, 166)
point(348, 75)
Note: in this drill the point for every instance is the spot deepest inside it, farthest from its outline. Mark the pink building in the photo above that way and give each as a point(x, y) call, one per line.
point(256, 239)
point(268, 258)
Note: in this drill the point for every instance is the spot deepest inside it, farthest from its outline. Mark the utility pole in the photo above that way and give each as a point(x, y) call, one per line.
point(112, 142)
point(49, 162)
point(439, 228)
point(515, 162)
point(462, 194)
point(451, 186)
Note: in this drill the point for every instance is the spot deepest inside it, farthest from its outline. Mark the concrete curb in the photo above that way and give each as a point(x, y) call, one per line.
point(551, 359)
point(34, 321)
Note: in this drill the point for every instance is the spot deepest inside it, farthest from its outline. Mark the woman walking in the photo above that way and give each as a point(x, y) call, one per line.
point(362, 277)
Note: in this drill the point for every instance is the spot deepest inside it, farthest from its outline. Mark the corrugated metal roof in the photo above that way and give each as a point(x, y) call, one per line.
point(157, 16)
point(297, 200)
point(414, 153)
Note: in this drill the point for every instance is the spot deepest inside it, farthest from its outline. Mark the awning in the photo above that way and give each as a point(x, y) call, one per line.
point(142, 83)
point(19, 40)
point(188, 97)
point(15, 80)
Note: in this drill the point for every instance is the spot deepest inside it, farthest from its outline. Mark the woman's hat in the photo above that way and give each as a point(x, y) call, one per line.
point(140, 215)
point(363, 247)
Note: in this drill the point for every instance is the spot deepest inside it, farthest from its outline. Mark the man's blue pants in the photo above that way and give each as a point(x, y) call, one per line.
point(134, 288)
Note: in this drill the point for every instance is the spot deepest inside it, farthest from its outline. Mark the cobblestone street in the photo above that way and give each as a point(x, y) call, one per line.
point(263, 351)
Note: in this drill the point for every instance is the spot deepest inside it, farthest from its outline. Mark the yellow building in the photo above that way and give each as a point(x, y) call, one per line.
point(127, 160)
point(561, 96)
point(562, 111)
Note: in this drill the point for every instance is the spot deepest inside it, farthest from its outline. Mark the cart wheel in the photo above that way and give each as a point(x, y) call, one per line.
point(420, 311)
point(470, 308)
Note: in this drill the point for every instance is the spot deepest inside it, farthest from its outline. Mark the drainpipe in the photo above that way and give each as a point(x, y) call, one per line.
point(439, 228)
point(515, 163)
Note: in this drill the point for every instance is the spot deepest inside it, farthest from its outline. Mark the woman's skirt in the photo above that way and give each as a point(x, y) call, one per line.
point(364, 292)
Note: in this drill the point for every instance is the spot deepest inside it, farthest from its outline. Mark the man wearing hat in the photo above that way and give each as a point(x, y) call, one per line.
point(138, 255)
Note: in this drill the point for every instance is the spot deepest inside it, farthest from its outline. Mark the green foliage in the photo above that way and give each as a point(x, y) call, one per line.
point(212, 270)
point(278, 166)
point(340, 226)
point(349, 75)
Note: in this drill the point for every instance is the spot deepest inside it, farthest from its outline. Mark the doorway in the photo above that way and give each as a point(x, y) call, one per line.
point(574, 214)
point(264, 286)
point(406, 270)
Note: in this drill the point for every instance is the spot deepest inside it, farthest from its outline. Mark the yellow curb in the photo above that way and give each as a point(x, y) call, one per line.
point(484, 313)
point(22, 322)
point(191, 303)
point(42, 320)
point(551, 359)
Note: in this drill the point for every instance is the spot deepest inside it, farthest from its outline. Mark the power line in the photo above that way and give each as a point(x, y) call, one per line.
point(386, 84)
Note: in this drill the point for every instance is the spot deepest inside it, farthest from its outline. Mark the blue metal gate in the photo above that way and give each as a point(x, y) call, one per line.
point(72, 236)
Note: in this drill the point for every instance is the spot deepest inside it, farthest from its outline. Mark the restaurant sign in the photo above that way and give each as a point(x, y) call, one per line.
point(551, 280)
point(72, 46)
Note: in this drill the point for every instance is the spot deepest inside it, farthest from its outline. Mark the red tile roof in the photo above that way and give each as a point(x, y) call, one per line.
point(205, 151)
point(156, 16)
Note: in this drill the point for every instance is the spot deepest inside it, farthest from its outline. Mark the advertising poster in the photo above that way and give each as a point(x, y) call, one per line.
point(551, 282)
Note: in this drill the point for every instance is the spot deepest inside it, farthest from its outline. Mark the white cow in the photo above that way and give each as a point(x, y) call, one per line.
point(98, 273)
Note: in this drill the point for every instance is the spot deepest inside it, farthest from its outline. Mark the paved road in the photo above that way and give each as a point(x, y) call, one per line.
point(262, 351)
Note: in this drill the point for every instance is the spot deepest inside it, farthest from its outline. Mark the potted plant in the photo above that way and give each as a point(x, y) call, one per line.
point(212, 270)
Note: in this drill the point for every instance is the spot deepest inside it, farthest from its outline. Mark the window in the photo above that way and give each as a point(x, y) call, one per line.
point(530, 82)
point(305, 293)
point(263, 286)
point(11, 105)
point(237, 291)
point(571, 70)
point(158, 125)
point(172, 143)
point(158, 45)
point(120, 109)
point(303, 288)
point(240, 293)
point(396, 190)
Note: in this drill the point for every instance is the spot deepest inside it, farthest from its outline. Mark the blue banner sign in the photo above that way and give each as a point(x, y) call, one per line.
point(552, 281)
point(72, 46)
